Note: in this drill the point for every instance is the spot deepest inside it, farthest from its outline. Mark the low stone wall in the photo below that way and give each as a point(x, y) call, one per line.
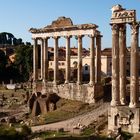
point(84, 92)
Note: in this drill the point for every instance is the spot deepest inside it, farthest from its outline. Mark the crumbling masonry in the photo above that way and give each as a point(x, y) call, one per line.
point(123, 114)
point(63, 27)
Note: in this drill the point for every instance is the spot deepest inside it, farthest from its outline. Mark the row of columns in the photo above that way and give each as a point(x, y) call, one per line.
point(44, 60)
point(119, 65)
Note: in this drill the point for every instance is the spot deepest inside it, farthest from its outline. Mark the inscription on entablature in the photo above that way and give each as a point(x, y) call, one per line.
point(124, 16)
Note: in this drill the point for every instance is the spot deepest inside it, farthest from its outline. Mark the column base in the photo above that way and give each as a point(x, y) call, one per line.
point(115, 103)
point(123, 101)
point(66, 82)
point(55, 82)
point(133, 105)
point(79, 83)
point(91, 83)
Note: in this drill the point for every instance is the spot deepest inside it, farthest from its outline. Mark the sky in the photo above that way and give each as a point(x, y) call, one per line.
point(18, 16)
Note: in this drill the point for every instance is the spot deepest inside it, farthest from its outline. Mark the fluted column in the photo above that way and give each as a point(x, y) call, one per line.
point(35, 64)
point(79, 74)
point(56, 72)
point(134, 89)
point(98, 59)
point(92, 60)
point(67, 59)
point(45, 65)
point(115, 65)
point(122, 53)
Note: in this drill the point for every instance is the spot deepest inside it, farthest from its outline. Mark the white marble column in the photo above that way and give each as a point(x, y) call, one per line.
point(45, 66)
point(134, 83)
point(67, 59)
point(115, 66)
point(92, 60)
point(79, 73)
point(98, 59)
point(122, 53)
point(56, 70)
point(35, 65)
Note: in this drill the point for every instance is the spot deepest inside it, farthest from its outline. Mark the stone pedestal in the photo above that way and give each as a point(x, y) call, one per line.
point(126, 118)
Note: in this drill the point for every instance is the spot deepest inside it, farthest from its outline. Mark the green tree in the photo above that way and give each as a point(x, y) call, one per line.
point(3, 62)
point(24, 61)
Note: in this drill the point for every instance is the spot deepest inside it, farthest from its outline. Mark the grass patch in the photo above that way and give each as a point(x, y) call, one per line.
point(126, 135)
point(67, 109)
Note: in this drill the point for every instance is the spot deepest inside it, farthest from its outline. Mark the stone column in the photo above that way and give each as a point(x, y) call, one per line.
point(98, 59)
point(115, 65)
point(122, 53)
point(92, 61)
point(45, 65)
point(56, 72)
point(79, 74)
point(67, 59)
point(134, 89)
point(42, 57)
point(35, 65)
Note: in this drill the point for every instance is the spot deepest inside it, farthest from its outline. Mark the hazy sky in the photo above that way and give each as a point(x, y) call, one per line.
point(18, 16)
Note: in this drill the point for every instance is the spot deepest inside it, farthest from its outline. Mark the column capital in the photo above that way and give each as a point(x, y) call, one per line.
point(68, 37)
point(122, 27)
point(56, 37)
point(134, 28)
point(46, 38)
point(115, 28)
point(79, 36)
point(91, 36)
point(34, 38)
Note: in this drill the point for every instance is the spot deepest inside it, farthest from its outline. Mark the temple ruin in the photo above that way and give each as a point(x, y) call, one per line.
point(122, 113)
point(63, 27)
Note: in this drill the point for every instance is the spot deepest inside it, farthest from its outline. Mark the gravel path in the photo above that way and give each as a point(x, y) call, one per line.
point(83, 120)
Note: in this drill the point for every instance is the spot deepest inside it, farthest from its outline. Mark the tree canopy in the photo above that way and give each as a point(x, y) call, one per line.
point(9, 39)
point(24, 61)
